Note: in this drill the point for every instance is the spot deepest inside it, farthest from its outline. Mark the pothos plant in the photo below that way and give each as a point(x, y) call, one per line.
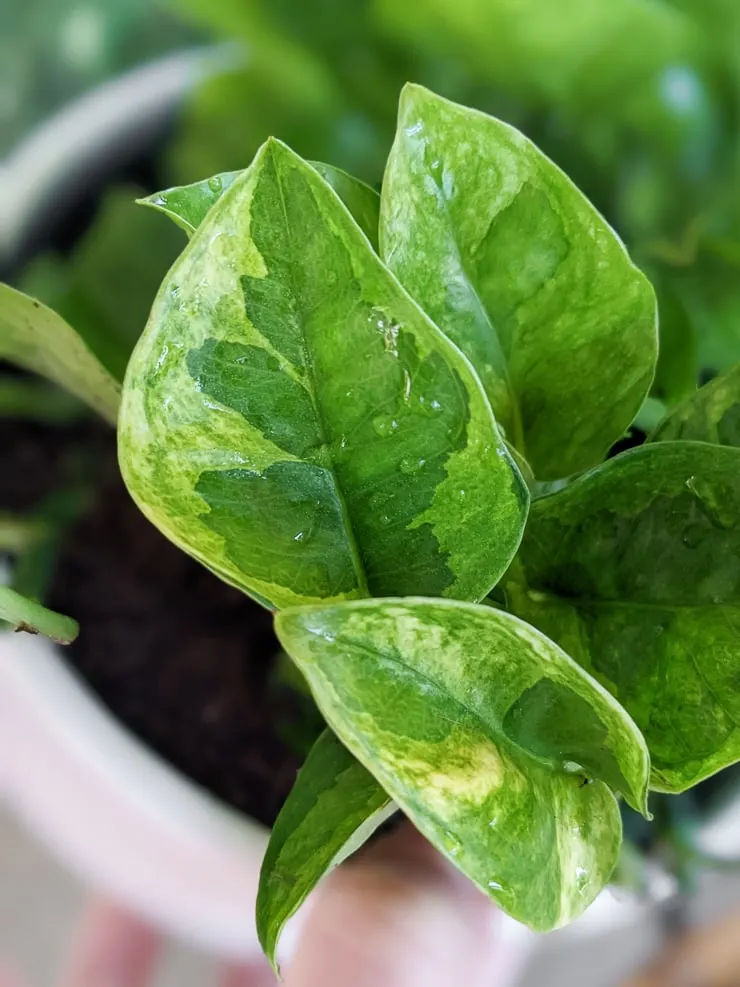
point(386, 417)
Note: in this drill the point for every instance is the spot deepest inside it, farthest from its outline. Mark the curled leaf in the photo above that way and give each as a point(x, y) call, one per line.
point(487, 736)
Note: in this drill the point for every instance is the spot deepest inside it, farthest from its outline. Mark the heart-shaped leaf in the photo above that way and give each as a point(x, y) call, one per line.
point(36, 338)
point(517, 267)
point(333, 808)
point(187, 205)
point(711, 414)
point(291, 417)
point(486, 734)
point(634, 569)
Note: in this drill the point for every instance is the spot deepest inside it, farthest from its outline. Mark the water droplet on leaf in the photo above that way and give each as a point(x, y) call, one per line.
point(384, 425)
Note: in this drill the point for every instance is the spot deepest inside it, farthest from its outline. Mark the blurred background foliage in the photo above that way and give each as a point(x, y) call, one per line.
point(638, 100)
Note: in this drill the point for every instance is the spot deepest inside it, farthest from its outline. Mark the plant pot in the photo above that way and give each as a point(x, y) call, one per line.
point(128, 823)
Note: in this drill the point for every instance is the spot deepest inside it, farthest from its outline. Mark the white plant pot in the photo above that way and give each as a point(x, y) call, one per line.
point(115, 813)
point(128, 823)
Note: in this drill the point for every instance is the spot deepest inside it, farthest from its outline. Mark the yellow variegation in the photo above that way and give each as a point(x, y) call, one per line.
point(294, 420)
point(496, 744)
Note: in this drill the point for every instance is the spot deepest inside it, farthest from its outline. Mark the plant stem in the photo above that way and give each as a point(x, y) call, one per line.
point(27, 615)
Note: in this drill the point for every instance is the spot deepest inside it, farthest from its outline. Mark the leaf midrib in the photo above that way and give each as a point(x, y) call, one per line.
point(492, 730)
point(315, 401)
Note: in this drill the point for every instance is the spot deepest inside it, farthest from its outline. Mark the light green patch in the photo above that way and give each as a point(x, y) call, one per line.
point(420, 691)
point(34, 337)
point(634, 569)
point(280, 347)
point(333, 808)
point(515, 265)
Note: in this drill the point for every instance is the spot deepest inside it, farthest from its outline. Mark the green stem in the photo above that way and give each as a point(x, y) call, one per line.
point(27, 615)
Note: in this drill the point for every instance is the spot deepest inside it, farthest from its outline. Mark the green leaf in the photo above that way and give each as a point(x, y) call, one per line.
point(361, 200)
point(515, 265)
point(711, 414)
point(677, 372)
point(292, 419)
point(484, 733)
point(106, 286)
point(188, 205)
point(27, 615)
point(38, 339)
point(334, 807)
point(634, 569)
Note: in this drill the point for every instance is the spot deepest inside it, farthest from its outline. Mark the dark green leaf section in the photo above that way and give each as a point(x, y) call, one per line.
point(295, 421)
point(515, 265)
point(27, 615)
point(711, 414)
point(36, 338)
point(634, 569)
point(188, 205)
point(361, 200)
point(456, 710)
point(333, 808)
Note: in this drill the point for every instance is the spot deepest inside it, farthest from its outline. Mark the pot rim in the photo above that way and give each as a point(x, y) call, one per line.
point(106, 126)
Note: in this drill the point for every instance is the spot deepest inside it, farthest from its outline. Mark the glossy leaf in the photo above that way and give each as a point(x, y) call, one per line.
point(333, 808)
point(475, 724)
point(188, 205)
point(34, 337)
point(515, 265)
point(294, 420)
point(361, 200)
point(634, 569)
point(711, 414)
point(27, 615)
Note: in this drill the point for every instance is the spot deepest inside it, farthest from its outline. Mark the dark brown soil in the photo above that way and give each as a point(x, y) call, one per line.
point(185, 661)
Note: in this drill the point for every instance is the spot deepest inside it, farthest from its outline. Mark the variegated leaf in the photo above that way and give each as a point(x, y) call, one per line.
point(634, 569)
point(291, 417)
point(511, 260)
point(333, 808)
point(486, 734)
point(188, 205)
